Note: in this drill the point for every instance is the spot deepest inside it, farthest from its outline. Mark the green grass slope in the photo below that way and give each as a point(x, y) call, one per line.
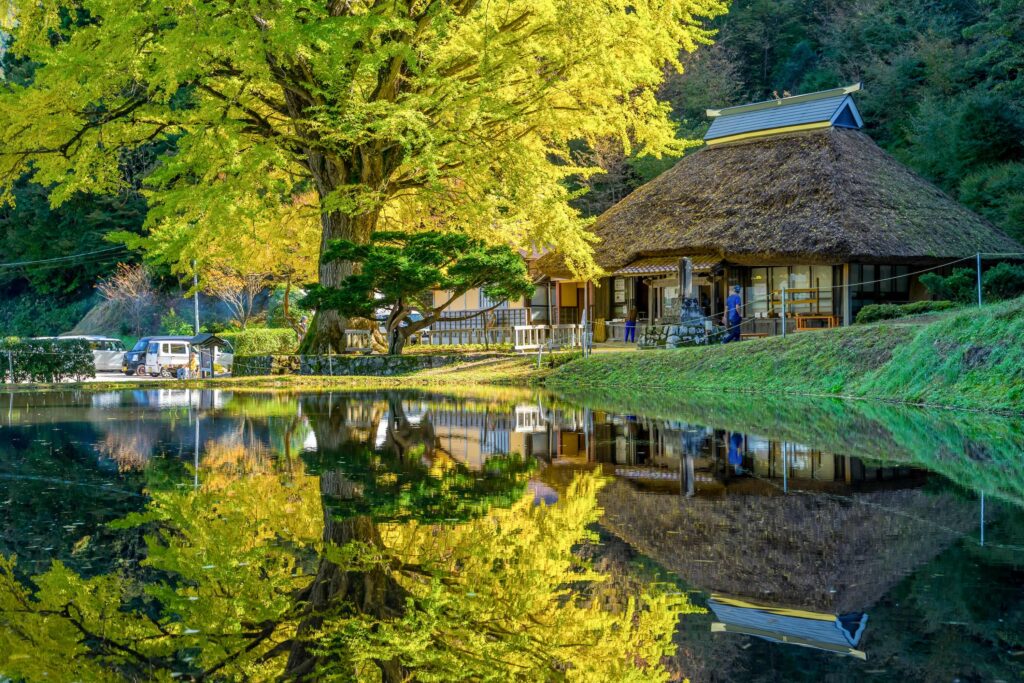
point(973, 358)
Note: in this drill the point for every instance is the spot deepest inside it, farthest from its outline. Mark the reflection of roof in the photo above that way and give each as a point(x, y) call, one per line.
point(667, 264)
point(818, 630)
point(820, 553)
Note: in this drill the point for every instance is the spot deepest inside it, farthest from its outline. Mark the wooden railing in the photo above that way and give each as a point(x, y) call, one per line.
point(566, 336)
point(533, 337)
point(530, 337)
point(471, 335)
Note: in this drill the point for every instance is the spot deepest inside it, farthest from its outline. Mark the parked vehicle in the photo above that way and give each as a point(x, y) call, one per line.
point(164, 356)
point(107, 352)
point(135, 360)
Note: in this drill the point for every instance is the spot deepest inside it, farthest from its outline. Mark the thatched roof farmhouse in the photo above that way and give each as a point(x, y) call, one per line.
point(784, 191)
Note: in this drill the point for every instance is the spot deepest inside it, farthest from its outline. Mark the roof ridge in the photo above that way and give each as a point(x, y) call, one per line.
point(784, 101)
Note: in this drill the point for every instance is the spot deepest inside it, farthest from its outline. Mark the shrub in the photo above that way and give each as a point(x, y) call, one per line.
point(998, 283)
point(875, 312)
point(960, 286)
point(46, 360)
point(1003, 281)
point(262, 341)
point(214, 327)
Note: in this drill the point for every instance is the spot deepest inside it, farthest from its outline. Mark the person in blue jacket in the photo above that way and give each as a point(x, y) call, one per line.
point(732, 317)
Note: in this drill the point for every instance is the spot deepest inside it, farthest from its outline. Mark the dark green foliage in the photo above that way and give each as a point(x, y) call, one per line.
point(259, 341)
point(1003, 281)
point(1000, 282)
point(399, 486)
point(960, 286)
point(29, 315)
point(943, 90)
point(275, 307)
point(875, 312)
point(32, 230)
point(950, 138)
point(997, 193)
point(46, 360)
point(399, 271)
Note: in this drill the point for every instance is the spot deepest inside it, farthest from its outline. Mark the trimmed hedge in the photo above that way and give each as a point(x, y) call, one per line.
point(46, 360)
point(876, 312)
point(261, 341)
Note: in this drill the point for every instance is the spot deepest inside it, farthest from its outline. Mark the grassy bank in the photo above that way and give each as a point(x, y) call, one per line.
point(969, 359)
point(513, 370)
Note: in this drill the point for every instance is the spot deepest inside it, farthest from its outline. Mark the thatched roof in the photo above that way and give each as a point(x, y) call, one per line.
point(822, 196)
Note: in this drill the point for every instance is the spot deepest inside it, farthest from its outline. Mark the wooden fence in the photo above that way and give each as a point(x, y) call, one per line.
point(533, 337)
point(468, 335)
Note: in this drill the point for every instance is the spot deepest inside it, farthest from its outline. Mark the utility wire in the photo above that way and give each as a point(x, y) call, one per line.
point(49, 266)
point(18, 264)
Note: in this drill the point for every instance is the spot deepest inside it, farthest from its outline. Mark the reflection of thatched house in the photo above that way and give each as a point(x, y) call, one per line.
point(822, 553)
point(785, 191)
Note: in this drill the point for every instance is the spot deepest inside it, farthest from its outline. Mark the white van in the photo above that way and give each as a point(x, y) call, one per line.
point(165, 357)
point(107, 352)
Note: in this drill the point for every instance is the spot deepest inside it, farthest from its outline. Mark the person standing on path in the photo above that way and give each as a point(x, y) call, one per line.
point(732, 317)
point(630, 333)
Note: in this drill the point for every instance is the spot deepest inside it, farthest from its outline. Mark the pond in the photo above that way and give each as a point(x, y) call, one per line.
point(504, 535)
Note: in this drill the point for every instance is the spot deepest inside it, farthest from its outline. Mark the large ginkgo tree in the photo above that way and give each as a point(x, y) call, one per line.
point(397, 113)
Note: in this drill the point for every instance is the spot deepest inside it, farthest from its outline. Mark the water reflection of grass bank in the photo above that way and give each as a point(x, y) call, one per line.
point(972, 359)
point(979, 451)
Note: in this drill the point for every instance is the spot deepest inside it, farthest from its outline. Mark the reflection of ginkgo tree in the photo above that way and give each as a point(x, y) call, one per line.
point(273, 574)
point(215, 592)
point(501, 597)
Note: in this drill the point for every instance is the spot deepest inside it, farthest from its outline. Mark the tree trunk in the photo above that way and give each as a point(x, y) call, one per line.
point(374, 592)
point(396, 341)
point(327, 329)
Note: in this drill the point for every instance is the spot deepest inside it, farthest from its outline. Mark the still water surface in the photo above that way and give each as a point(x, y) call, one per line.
point(186, 535)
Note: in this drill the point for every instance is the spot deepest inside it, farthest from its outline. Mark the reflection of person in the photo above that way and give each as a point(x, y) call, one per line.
point(630, 335)
point(732, 317)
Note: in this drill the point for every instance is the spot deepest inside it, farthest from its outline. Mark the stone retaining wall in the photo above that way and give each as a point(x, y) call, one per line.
point(356, 364)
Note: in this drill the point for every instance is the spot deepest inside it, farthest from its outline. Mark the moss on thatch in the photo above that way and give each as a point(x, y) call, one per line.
point(827, 196)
